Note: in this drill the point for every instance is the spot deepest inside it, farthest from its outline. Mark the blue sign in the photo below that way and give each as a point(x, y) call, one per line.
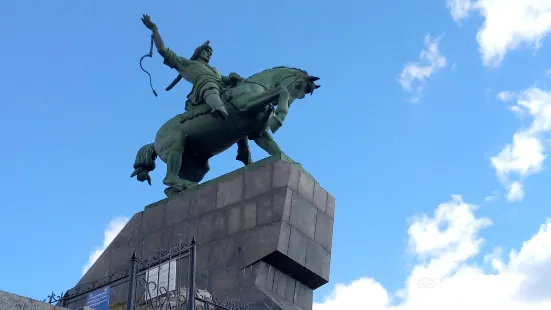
point(99, 299)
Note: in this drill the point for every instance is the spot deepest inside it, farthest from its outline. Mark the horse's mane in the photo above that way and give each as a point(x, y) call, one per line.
point(278, 67)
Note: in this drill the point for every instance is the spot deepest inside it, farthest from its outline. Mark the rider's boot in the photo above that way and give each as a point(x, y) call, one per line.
point(218, 109)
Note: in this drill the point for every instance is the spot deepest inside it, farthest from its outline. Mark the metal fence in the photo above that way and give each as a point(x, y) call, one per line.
point(162, 282)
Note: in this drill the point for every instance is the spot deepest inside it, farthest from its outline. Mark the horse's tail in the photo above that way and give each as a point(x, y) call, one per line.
point(144, 163)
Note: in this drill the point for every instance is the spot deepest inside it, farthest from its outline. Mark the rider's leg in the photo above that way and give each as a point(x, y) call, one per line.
point(212, 98)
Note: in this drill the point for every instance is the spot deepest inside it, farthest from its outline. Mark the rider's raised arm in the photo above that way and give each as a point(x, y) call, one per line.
point(171, 59)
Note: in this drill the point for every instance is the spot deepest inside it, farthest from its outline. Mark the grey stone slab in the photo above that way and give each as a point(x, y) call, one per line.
point(290, 289)
point(315, 256)
point(271, 302)
point(241, 217)
point(153, 242)
point(285, 175)
point(298, 298)
point(235, 223)
point(284, 238)
point(178, 209)
point(330, 206)
point(203, 254)
point(184, 231)
point(306, 186)
point(258, 305)
point(266, 212)
point(202, 281)
point(206, 199)
point(249, 215)
point(248, 275)
point(298, 243)
point(303, 296)
point(280, 280)
point(224, 280)
point(119, 256)
point(130, 232)
point(263, 274)
point(211, 227)
point(257, 243)
point(281, 202)
point(324, 230)
point(271, 277)
point(153, 219)
point(258, 181)
point(320, 197)
point(303, 215)
point(228, 298)
point(224, 253)
point(308, 299)
point(249, 295)
point(230, 191)
point(326, 271)
point(275, 302)
point(100, 269)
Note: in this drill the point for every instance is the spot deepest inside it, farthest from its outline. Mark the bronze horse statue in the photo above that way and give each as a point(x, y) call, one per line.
point(187, 141)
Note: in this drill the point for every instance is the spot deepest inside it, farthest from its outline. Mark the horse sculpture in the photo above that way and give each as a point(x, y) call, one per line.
point(187, 141)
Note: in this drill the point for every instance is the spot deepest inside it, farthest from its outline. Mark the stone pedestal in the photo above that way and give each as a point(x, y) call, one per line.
point(264, 235)
point(9, 301)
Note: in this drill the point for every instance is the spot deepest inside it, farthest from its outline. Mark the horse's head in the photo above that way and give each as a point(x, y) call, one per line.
point(301, 86)
point(306, 86)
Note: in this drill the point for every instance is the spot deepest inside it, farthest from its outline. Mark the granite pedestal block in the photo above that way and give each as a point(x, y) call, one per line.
point(9, 301)
point(264, 235)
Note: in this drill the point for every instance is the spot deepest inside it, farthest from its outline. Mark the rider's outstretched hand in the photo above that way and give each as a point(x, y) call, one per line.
point(148, 23)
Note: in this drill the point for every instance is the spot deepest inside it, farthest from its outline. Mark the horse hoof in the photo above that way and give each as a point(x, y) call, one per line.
point(171, 191)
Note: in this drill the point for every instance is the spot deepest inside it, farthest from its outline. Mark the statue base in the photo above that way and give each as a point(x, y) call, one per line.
point(264, 235)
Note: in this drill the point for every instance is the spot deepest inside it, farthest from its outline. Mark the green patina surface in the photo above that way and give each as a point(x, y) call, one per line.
point(256, 165)
point(221, 111)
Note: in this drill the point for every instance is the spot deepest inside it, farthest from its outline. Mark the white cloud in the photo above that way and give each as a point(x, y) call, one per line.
point(444, 277)
point(516, 192)
point(112, 230)
point(505, 95)
point(548, 73)
point(491, 198)
point(459, 8)
point(508, 24)
point(526, 154)
point(430, 61)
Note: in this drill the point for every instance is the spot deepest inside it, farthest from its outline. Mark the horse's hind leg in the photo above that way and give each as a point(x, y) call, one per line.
point(174, 163)
point(244, 152)
point(194, 169)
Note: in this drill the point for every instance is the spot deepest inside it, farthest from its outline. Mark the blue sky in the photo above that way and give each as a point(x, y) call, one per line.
point(75, 108)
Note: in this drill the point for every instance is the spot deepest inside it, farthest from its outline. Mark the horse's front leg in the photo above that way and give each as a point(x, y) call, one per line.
point(258, 102)
point(266, 142)
point(276, 120)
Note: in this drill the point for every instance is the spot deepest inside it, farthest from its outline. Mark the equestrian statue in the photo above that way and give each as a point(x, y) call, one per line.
point(220, 111)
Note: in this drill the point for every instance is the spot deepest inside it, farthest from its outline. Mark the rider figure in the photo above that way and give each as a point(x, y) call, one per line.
point(207, 81)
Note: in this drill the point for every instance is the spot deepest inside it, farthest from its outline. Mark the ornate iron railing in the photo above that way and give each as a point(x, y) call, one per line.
point(141, 287)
